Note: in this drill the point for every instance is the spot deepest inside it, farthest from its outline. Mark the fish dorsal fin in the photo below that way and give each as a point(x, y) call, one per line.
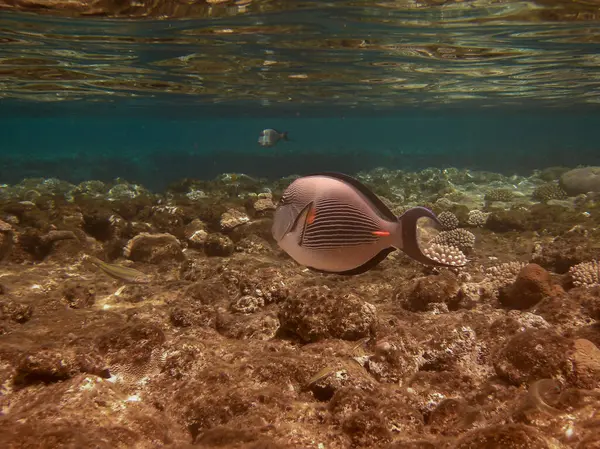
point(374, 199)
point(368, 265)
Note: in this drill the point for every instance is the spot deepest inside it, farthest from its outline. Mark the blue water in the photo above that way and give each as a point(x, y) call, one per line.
point(156, 151)
point(498, 87)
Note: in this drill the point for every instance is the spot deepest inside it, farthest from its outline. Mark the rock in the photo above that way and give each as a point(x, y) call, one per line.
point(318, 312)
point(85, 411)
point(565, 311)
point(77, 294)
point(369, 416)
point(533, 284)
point(263, 205)
point(54, 365)
point(253, 326)
point(153, 248)
point(247, 304)
point(6, 244)
point(99, 222)
point(451, 345)
point(133, 293)
point(232, 219)
point(253, 244)
point(448, 416)
point(74, 221)
point(504, 437)
point(206, 292)
point(167, 218)
point(366, 429)
point(565, 251)
point(218, 245)
point(533, 355)
point(130, 350)
point(5, 227)
point(123, 192)
point(186, 314)
point(195, 233)
point(339, 376)
point(422, 294)
point(507, 220)
point(198, 238)
point(581, 180)
point(14, 310)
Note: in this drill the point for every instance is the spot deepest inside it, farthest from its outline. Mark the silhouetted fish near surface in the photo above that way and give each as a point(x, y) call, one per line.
point(333, 223)
point(270, 137)
point(129, 275)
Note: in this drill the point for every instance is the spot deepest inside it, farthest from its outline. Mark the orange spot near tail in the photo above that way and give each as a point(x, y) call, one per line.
point(312, 214)
point(381, 233)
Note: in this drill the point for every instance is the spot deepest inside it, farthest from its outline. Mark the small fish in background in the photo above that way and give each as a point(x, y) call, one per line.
point(270, 137)
point(129, 275)
point(332, 223)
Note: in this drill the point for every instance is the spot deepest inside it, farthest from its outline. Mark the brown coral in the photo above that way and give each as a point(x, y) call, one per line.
point(586, 362)
point(585, 274)
point(448, 220)
point(446, 254)
point(504, 274)
point(549, 191)
point(499, 195)
point(458, 238)
point(477, 218)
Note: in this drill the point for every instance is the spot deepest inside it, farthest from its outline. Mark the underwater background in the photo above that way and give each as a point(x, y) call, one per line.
point(156, 292)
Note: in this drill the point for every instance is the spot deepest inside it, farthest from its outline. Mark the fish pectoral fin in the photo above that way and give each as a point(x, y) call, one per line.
point(368, 265)
point(303, 219)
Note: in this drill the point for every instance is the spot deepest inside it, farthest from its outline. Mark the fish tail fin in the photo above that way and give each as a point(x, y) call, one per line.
point(407, 238)
point(284, 136)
